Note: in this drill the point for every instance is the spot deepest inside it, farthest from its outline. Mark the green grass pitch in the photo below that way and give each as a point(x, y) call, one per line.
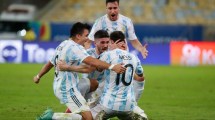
point(171, 92)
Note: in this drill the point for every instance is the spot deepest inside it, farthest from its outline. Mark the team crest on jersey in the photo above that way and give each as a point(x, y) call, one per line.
point(123, 29)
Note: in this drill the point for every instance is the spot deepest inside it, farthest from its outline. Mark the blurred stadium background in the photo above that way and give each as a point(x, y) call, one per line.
point(179, 33)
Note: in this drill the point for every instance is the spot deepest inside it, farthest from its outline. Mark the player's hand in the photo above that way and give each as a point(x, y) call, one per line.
point(144, 51)
point(119, 68)
point(113, 45)
point(36, 79)
point(121, 45)
point(62, 66)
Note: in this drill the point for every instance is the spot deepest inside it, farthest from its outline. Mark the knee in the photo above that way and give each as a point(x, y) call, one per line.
point(86, 116)
point(93, 85)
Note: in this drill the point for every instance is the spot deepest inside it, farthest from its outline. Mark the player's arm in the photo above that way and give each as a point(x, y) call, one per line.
point(103, 65)
point(135, 42)
point(48, 66)
point(62, 66)
point(139, 77)
point(139, 73)
point(138, 46)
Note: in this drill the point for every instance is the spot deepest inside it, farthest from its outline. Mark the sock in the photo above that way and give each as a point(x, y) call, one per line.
point(138, 88)
point(68, 111)
point(66, 116)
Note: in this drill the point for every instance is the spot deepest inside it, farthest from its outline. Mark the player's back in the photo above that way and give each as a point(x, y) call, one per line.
point(118, 92)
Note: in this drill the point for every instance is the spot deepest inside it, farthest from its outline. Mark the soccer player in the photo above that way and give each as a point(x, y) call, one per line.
point(113, 21)
point(65, 83)
point(89, 82)
point(118, 97)
point(101, 45)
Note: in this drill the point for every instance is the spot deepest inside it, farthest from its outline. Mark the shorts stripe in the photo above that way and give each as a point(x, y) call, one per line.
point(77, 102)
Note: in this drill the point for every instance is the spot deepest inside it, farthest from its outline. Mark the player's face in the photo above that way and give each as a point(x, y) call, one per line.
point(102, 44)
point(112, 10)
point(83, 38)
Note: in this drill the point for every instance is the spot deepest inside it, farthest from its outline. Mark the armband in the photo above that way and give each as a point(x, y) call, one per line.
point(111, 67)
point(38, 77)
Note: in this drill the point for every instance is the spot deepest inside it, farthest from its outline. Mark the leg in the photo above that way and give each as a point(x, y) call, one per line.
point(102, 115)
point(93, 85)
point(93, 100)
point(85, 85)
point(105, 113)
point(139, 113)
point(66, 116)
point(95, 110)
point(79, 105)
point(49, 115)
point(126, 115)
point(86, 115)
point(138, 88)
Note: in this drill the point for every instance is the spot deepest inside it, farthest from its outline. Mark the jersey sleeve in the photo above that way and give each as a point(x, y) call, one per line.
point(52, 60)
point(76, 53)
point(131, 31)
point(54, 57)
point(139, 68)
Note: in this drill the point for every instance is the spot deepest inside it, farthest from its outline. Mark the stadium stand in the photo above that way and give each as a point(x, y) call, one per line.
point(141, 11)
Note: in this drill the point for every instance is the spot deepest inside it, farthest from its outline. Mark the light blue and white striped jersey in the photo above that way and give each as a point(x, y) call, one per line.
point(123, 24)
point(118, 91)
point(95, 74)
point(73, 54)
point(92, 52)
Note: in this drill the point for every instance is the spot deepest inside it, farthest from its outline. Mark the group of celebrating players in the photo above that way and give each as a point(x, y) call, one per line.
point(112, 79)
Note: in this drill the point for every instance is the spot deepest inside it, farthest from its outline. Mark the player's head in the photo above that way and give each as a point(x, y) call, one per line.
point(112, 9)
point(79, 32)
point(117, 37)
point(102, 40)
